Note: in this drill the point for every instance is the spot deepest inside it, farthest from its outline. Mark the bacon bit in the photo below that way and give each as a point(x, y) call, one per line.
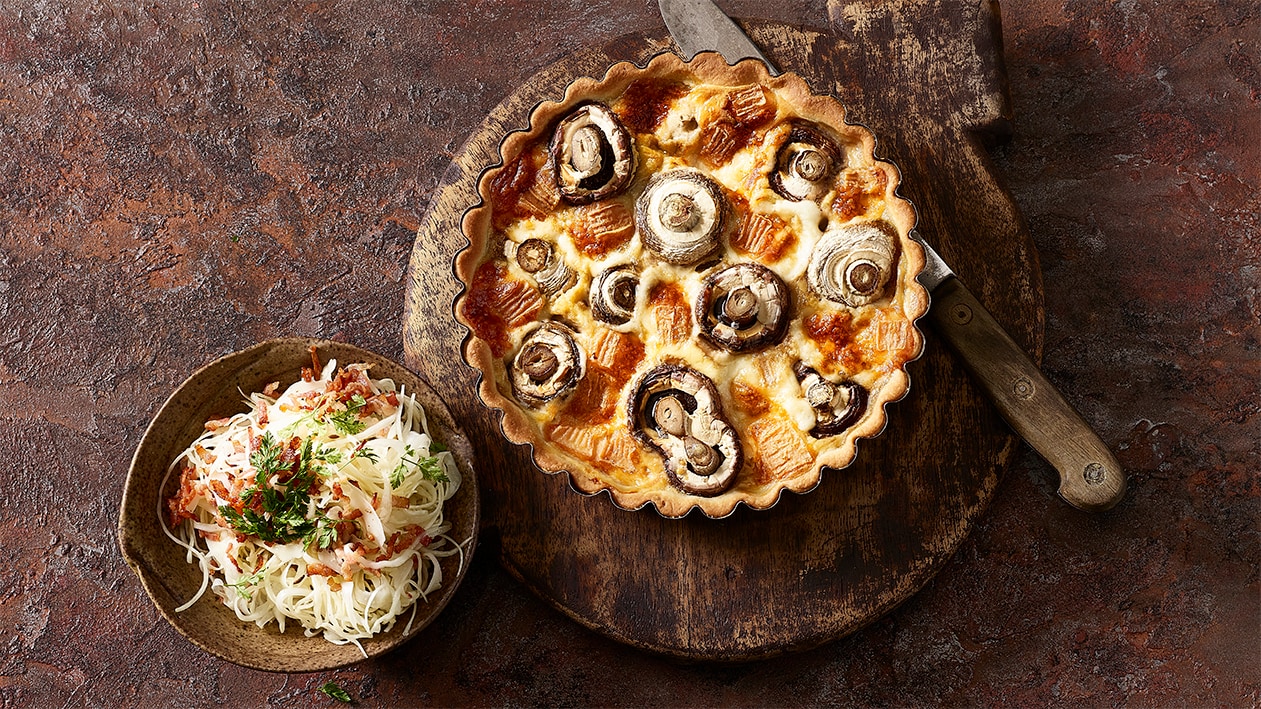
point(349, 382)
point(497, 302)
point(204, 534)
point(318, 569)
point(221, 490)
point(345, 530)
point(315, 359)
point(262, 413)
point(376, 503)
point(380, 404)
point(204, 454)
point(765, 236)
point(671, 312)
point(215, 424)
point(335, 583)
point(271, 389)
point(351, 557)
point(289, 458)
point(237, 446)
point(392, 398)
point(602, 227)
point(751, 106)
point(355, 513)
point(400, 502)
point(403, 540)
point(719, 141)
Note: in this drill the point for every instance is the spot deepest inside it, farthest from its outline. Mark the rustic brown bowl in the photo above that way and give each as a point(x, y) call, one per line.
point(215, 391)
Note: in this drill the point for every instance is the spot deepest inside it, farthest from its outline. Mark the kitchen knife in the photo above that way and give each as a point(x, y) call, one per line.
point(1090, 477)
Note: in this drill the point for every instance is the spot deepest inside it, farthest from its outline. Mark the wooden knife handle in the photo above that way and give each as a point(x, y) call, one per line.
point(1090, 477)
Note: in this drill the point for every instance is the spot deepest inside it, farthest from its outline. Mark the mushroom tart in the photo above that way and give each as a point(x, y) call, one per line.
point(691, 285)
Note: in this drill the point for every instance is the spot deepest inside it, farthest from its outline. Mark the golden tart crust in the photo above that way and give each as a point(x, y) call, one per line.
point(738, 127)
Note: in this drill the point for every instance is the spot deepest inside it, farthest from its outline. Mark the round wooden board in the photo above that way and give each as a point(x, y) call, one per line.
point(817, 566)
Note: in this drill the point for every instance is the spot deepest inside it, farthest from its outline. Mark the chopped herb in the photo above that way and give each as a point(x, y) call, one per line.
point(323, 535)
point(328, 454)
point(336, 692)
point(430, 467)
point(436, 447)
point(367, 453)
point(245, 585)
point(348, 421)
point(283, 517)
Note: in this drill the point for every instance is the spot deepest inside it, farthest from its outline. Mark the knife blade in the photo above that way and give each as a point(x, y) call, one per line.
point(700, 25)
point(1091, 479)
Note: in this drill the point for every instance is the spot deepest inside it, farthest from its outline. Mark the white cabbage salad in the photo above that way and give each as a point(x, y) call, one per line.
point(321, 506)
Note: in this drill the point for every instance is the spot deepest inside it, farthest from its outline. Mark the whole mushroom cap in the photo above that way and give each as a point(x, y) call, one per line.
point(680, 215)
point(837, 405)
point(806, 163)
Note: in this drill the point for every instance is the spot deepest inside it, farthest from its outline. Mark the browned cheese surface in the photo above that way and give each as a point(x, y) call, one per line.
point(179, 183)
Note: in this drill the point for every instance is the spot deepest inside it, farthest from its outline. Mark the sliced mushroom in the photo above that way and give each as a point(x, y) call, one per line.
point(539, 259)
point(837, 405)
point(743, 307)
point(549, 365)
point(852, 264)
point(592, 154)
point(680, 215)
point(675, 411)
point(614, 294)
point(806, 163)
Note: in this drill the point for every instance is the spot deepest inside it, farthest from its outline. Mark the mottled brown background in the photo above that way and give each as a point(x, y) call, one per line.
point(179, 183)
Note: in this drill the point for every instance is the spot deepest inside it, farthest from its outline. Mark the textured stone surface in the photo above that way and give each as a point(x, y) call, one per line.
point(177, 184)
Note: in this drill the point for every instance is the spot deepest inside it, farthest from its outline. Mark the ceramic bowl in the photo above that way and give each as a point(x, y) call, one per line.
point(215, 391)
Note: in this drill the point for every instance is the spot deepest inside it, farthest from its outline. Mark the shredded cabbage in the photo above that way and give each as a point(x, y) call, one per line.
point(355, 453)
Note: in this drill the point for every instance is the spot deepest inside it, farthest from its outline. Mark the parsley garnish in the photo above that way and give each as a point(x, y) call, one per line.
point(322, 535)
point(336, 692)
point(436, 447)
point(430, 467)
point(283, 517)
point(348, 421)
point(245, 585)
